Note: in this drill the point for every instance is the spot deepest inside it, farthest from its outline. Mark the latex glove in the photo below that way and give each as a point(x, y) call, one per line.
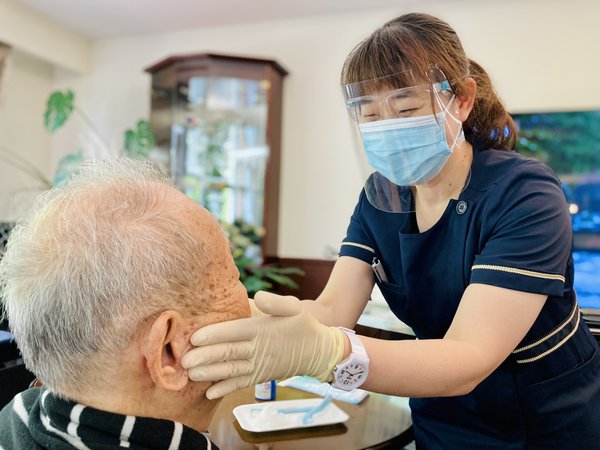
point(240, 353)
point(254, 311)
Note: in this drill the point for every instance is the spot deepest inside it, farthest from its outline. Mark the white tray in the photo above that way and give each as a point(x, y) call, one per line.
point(261, 417)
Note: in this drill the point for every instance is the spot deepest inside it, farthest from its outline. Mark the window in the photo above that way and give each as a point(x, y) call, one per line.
point(569, 142)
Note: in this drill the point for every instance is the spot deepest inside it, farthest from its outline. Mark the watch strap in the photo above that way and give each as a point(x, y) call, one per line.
point(358, 348)
point(358, 355)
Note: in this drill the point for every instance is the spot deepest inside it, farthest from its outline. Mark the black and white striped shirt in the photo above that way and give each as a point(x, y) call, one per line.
point(37, 419)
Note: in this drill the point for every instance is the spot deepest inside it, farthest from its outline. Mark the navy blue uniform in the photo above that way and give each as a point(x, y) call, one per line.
point(511, 228)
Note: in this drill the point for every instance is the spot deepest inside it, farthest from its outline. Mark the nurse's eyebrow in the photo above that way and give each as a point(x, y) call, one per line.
point(404, 94)
point(361, 101)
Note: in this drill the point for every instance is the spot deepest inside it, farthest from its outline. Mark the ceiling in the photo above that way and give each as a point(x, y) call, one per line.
point(110, 18)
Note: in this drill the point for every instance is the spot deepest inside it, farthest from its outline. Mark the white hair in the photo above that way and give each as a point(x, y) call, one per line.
point(89, 263)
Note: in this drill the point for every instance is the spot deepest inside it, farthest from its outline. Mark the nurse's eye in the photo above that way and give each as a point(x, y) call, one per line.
point(404, 107)
point(369, 112)
point(369, 117)
point(406, 112)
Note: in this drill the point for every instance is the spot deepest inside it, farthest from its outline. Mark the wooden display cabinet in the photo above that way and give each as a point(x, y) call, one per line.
point(217, 123)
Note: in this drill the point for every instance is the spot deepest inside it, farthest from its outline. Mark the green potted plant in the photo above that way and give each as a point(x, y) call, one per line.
point(244, 241)
point(137, 142)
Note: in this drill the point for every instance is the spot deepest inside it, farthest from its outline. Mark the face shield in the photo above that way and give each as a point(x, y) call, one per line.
point(402, 132)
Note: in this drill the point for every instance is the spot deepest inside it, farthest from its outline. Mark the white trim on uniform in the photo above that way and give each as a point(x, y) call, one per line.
point(548, 336)
point(550, 350)
point(354, 244)
point(528, 273)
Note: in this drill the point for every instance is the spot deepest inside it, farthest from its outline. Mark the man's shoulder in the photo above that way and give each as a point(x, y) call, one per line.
point(14, 421)
point(22, 427)
point(20, 406)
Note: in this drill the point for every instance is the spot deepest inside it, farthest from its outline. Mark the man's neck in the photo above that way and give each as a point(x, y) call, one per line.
point(137, 396)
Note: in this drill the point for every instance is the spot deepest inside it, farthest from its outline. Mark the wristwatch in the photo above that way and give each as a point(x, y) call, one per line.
point(352, 372)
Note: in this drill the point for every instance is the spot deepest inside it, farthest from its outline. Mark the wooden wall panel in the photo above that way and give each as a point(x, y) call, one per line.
point(317, 273)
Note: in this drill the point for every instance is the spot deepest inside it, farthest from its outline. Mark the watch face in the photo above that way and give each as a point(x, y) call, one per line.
point(351, 374)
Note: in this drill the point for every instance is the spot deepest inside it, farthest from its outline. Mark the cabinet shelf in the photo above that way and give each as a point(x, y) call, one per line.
point(217, 122)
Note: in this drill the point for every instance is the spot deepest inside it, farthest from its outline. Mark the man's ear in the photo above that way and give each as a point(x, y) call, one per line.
point(165, 344)
point(466, 99)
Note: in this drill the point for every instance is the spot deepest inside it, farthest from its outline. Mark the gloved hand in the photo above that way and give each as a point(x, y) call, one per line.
point(240, 353)
point(254, 311)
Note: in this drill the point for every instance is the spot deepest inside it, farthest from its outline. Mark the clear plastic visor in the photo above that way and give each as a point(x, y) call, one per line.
point(387, 196)
point(385, 98)
point(396, 96)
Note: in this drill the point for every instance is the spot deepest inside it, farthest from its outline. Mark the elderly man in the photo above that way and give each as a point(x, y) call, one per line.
point(103, 284)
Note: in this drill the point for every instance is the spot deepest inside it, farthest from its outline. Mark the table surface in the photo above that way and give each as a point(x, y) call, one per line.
point(377, 314)
point(376, 419)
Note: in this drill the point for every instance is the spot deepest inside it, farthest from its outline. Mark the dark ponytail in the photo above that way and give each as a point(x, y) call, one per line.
point(489, 122)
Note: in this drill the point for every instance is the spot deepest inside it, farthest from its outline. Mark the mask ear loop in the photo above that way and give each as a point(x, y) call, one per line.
point(446, 111)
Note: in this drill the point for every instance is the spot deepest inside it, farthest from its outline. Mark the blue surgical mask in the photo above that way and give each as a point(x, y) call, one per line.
point(407, 151)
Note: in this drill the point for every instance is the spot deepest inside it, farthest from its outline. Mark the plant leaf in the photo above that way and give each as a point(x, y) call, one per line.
point(291, 271)
point(145, 133)
point(139, 141)
point(282, 279)
point(243, 263)
point(58, 109)
point(130, 142)
point(254, 284)
point(67, 167)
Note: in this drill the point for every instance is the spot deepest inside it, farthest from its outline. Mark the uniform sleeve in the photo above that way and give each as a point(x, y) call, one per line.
point(357, 242)
point(527, 234)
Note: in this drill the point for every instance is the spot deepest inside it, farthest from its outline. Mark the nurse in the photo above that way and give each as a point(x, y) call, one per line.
point(470, 244)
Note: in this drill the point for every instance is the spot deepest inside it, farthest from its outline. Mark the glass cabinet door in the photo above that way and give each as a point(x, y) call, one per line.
point(217, 124)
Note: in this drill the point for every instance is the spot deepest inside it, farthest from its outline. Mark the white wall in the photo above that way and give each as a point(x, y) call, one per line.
point(26, 86)
point(542, 55)
point(38, 46)
point(29, 31)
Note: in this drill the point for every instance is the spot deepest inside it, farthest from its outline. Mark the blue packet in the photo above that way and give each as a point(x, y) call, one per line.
point(314, 386)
